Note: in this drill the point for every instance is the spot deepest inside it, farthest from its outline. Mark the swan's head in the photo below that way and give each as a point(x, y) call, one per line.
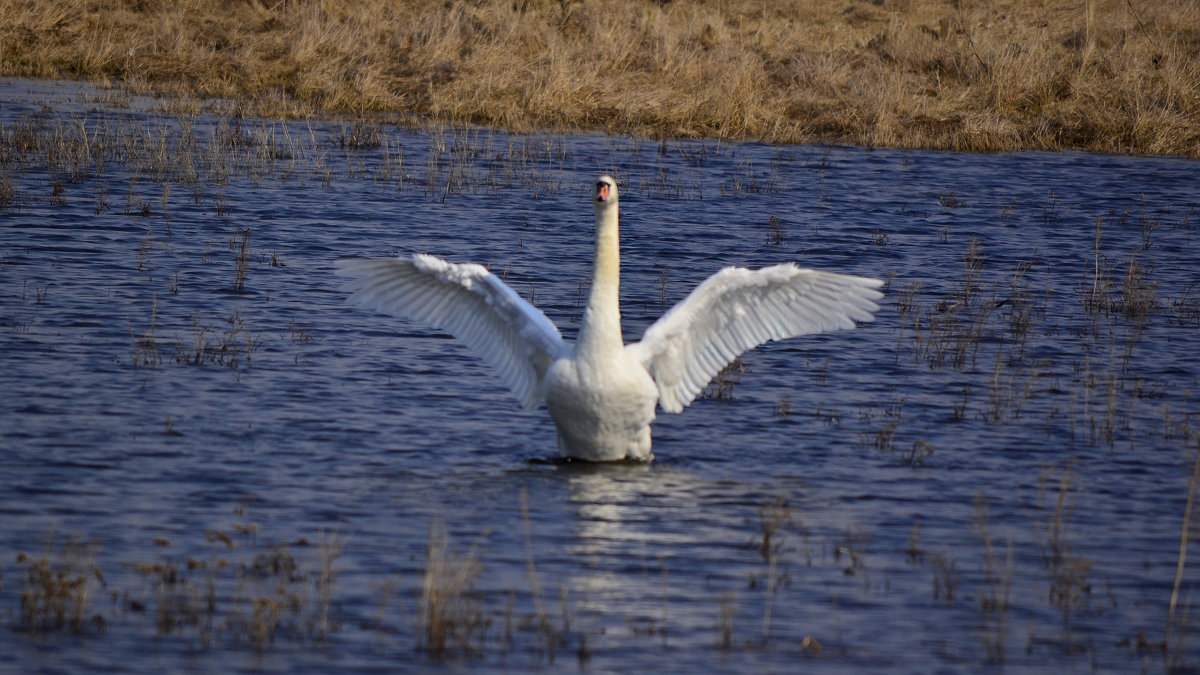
point(605, 195)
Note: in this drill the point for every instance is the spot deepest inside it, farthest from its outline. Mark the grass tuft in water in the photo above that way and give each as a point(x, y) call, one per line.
point(241, 260)
point(721, 387)
point(1070, 589)
point(450, 614)
point(946, 577)
point(775, 231)
point(230, 348)
point(58, 587)
point(243, 592)
point(994, 600)
point(145, 344)
point(726, 614)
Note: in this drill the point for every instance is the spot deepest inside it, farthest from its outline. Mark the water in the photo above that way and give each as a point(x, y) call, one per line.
point(993, 472)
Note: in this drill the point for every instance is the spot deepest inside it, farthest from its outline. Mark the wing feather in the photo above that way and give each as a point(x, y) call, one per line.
point(738, 309)
point(470, 303)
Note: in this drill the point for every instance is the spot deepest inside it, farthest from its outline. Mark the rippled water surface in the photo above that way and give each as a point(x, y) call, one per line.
point(208, 459)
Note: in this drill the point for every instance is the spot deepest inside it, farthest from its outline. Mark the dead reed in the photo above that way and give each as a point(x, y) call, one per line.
point(1069, 588)
point(8, 193)
point(452, 620)
point(946, 577)
point(951, 332)
point(240, 260)
point(775, 231)
point(727, 614)
point(232, 347)
point(58, 587)
point(1105, 75)
point(775, 520)
point(995, 597)
point(244, 592)
point(721, 387)
point(883, 438)
point(145, 344)
point(1174, 638)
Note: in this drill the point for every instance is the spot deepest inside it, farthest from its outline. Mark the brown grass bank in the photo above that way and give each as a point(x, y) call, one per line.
point(1103, 75)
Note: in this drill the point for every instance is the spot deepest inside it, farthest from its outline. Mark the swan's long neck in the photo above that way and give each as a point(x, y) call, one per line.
point(601, 330)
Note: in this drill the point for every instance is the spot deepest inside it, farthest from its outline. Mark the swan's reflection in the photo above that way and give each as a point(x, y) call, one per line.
point(635, 523)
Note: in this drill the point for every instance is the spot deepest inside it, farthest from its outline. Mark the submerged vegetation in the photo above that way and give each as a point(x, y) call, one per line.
point(980, 339)
point(237, 586)
point(1103, 75)
point(241, 591)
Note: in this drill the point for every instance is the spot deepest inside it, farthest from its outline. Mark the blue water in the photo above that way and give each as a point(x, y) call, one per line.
point(989, 474)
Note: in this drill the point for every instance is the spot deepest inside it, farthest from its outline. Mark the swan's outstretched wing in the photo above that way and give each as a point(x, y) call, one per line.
point(738, 309)
point(470, 303)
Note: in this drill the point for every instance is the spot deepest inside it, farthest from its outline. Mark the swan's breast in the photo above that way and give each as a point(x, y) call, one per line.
point(602, 410)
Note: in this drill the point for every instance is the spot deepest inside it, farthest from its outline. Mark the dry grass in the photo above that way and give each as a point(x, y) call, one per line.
point(721, 387)
point(1105, 75)
point(1069, 590)
point(233, 348)
point(994, 601)
point(452, 619)
point(246, 593)
point(59, 586)
point(1175, 624)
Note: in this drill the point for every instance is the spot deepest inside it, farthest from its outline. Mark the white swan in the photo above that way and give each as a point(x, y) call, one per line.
point(601, 392)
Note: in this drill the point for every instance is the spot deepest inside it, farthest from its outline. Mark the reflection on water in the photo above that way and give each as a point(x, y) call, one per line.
point(228, 466)
point(619, 520)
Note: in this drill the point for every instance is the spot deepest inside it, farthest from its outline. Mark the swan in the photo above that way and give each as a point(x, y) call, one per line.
point(600, 392)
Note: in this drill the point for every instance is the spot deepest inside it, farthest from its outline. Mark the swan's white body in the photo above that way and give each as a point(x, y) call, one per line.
point(601, 392)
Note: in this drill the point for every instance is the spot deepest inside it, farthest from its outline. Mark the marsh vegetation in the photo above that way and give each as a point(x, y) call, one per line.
point(1105, 75)
point(211, 459)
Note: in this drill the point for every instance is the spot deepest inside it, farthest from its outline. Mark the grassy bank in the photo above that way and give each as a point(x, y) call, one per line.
point(1104, 75)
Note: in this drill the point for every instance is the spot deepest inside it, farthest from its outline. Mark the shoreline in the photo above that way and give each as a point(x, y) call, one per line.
point(1106, 77)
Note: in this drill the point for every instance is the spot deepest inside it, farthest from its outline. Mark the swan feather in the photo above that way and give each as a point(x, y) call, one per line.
point(467, 301)
point(736, 310)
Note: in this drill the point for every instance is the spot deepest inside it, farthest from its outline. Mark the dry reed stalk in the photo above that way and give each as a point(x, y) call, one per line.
point(1110, 75)
point(58, 588)
point(451, 615)
point(994, 600)
point(728, 611)
point(1183, 544)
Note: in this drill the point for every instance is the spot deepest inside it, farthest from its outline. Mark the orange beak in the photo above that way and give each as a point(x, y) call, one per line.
point(601, 192)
